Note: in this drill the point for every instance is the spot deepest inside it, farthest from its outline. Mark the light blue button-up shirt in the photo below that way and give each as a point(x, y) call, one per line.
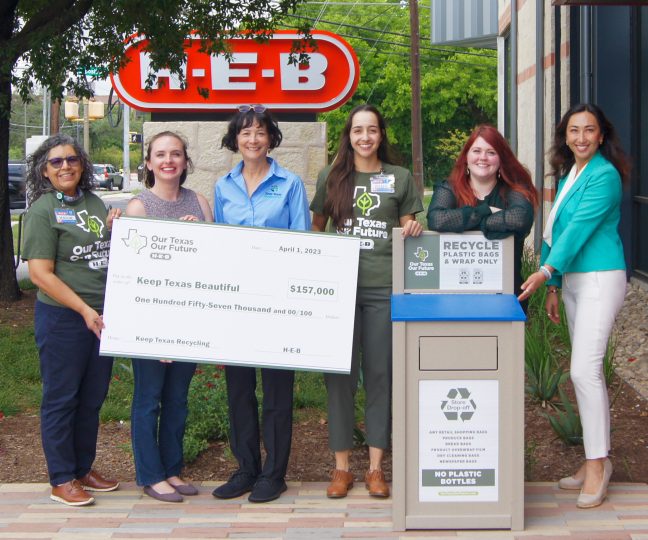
point(279, 201)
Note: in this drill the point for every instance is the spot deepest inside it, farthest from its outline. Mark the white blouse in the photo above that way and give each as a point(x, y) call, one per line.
point(569, 183)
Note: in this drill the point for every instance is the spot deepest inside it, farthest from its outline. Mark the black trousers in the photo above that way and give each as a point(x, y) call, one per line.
point(277, 410)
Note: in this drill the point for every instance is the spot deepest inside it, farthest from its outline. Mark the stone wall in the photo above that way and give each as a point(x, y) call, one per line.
point(302, 151)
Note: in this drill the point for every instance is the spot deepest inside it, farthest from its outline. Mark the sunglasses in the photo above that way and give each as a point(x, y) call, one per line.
point(57, 162)
point(256, 108)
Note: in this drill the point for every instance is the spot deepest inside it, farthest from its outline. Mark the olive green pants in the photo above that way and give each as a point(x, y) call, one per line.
point(372, 335)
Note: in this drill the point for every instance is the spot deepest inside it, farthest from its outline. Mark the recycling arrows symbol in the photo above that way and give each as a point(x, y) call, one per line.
point(458, 405)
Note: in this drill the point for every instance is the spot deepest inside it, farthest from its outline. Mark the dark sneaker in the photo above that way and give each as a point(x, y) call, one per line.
point(238, 484)
point(266, 490)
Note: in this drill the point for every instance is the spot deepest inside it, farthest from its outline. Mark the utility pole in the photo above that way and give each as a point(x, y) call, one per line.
point(45, 112)
point(417, 134)
point(126, 140)
point(55, 113)
point(86, 125)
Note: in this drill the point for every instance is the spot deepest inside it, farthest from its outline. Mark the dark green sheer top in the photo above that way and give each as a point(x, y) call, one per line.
point(515, 218)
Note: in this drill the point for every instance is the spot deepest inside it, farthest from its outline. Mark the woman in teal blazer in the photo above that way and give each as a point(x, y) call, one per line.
point(582, 254)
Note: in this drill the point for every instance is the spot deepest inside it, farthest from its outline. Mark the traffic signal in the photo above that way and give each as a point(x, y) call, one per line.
point(135, 138)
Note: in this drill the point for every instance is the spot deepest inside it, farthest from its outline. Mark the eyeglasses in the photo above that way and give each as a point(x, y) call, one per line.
point(57, 162)
point(256, 108)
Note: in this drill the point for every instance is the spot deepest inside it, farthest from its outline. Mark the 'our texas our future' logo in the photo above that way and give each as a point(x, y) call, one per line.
point(366, 202)
point(135, 240)
point(421, 254)
point(90, 224)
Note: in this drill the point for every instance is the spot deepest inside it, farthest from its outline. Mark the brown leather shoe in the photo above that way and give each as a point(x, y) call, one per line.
point(93, 481)
point(72, 494)
point(375, 483)
point(341, 483)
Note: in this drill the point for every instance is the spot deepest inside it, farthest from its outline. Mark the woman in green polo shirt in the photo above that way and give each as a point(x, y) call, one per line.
point(363, 194)
point(67, 241)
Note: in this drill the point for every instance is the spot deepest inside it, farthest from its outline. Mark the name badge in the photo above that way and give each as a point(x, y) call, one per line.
point(65, 215)
point(383, 183)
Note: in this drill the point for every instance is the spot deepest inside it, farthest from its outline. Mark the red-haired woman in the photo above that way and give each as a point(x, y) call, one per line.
point(488, 190)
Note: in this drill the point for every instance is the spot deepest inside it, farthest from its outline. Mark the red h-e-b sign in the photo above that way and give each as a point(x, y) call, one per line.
point(256, 73)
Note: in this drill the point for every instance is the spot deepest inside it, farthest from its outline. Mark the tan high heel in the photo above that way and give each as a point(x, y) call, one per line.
point(569, 482)
point(586, 500)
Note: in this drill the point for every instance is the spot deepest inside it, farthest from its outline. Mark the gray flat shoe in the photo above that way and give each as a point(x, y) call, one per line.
point(185, 489)
point(174, 497)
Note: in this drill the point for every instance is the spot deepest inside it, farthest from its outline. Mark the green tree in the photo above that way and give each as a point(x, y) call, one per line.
point(51, 39)
point(26, 120)
point(458, 85)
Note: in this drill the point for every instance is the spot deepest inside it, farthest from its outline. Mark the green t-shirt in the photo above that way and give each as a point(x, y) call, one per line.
point(378, 205)
point(74, 235)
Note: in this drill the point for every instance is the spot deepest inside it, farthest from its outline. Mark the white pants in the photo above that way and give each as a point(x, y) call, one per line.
point(592, 301)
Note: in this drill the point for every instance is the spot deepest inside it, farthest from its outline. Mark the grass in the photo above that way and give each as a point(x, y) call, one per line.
point(19, 371)
point(14, 230)
point(20, 391)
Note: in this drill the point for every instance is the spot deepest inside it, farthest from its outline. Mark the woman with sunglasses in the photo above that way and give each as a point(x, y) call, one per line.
point(67, 241)
point(160, 404)
point(362, 193)
point(258, 192)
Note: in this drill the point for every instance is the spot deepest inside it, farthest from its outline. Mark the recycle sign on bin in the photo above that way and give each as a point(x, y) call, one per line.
point(458, 405)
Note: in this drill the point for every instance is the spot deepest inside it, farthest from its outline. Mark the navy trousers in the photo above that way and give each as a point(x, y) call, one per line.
point(277, 409)
point(158, 418)
point(75, 383)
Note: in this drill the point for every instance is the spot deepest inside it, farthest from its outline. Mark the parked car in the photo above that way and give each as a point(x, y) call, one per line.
point(107, 176)
point(17, 194)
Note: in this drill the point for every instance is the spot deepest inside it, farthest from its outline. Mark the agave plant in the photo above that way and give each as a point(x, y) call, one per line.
point(566, 422)
point(544, 373)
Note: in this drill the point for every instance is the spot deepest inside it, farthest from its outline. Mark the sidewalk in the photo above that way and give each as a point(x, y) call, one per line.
point(303, 512)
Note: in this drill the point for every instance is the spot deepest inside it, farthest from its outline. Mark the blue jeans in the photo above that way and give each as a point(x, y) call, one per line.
point(75, 383)
point(158, 416)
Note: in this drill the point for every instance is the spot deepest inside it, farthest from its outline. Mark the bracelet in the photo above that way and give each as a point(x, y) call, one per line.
point(552, 291)
point(545, 272)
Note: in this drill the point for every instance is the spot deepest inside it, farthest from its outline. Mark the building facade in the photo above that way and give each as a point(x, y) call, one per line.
point(556, 54)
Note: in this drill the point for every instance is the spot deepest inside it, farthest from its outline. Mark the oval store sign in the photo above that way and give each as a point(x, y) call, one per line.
point(256, 73)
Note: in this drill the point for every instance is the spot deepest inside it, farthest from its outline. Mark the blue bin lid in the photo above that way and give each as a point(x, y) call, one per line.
point(456, 307)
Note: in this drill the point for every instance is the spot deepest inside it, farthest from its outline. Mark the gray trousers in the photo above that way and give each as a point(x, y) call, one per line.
point(372, 334)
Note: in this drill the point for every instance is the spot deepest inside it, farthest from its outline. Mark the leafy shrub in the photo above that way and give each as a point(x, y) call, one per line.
point(120, 394)
point(208, 417)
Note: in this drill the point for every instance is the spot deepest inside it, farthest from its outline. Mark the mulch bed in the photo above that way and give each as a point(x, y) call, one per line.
point(547, 458)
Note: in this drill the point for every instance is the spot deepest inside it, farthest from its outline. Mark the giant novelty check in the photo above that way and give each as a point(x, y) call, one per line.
point(230, 295)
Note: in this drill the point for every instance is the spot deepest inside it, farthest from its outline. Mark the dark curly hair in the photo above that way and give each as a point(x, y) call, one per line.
point(38, 184)
point(149, 179)
point(243, 120)
point(561, 158)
